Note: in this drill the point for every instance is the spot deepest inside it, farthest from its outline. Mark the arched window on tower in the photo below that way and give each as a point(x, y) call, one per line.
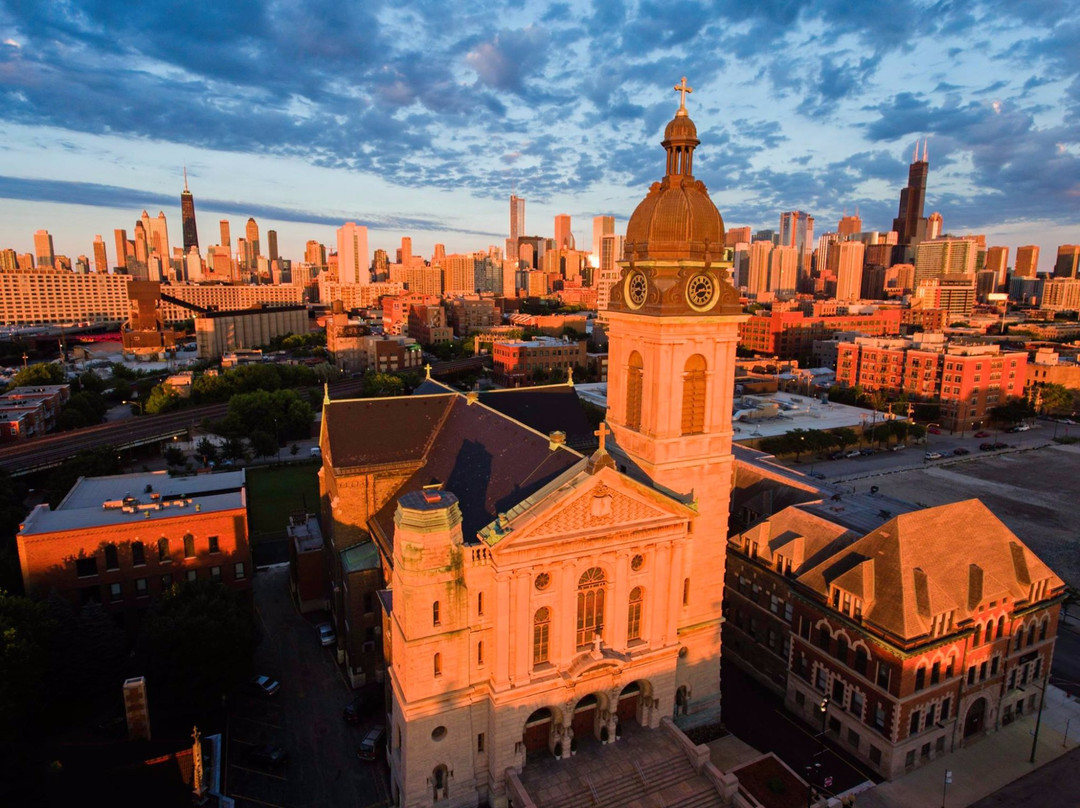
point(590, 606)
point(633, 617)
point(541, 635)
point(693, 401)
point(634, 371)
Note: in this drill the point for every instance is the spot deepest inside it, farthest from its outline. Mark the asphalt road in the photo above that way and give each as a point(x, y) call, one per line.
point(304, 718)
point(1051, 786)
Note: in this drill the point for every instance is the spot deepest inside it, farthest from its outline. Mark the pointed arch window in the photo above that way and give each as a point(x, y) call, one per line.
point(634, 390)
point(541, 635)
point(590, 606)
point(163, 550)
point(693, 401)
point(633, 617)
point(189, 546)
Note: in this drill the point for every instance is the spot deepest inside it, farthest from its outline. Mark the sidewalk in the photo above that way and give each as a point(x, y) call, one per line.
point(989, 764)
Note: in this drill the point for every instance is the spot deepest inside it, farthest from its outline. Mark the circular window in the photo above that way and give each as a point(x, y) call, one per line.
point(637, 562)
point(543, 580)
point(438, 733)
point(682, 652)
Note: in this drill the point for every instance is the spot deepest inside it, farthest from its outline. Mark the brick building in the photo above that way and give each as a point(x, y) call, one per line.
point(516, 361)
point(894, 366)
point(31, 410)
point(903, 645)
point(123, 540)
point(427, 324)
point(791, 334)
point(468, 314)
point(977, 378)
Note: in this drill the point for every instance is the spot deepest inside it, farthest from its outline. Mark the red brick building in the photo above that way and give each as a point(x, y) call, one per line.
point(903, 644)
point(791, 334)
point(123, 540)
point(515, 361)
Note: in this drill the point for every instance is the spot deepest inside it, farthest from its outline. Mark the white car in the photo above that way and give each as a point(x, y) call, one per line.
point(326, 634)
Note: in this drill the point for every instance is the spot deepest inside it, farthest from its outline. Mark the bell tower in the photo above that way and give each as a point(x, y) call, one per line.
point(674, 320)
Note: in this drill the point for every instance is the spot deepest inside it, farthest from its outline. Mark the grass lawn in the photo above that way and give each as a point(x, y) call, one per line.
point(276, 493)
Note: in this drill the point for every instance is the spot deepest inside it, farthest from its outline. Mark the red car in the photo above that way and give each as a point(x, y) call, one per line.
point(982, 434)
point(934, 430)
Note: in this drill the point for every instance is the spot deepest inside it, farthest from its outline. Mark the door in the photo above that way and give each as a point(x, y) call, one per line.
point(975, 718)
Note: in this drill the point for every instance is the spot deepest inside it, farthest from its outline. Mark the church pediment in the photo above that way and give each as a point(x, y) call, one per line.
point(602, 503)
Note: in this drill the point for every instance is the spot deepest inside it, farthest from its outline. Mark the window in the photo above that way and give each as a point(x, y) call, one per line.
point(166, 580)
point(879, 716)
point(686, 592)
point(435, 613)
point(935, 673)
point(838, 692)
point(842, 649)
point(115, 592)
point(1031, 634)
point(945, 705)
point(215, 573)
point(437, 664)
point(214, 547)
point(480, 742)
point(909, 759)
point(541, 635)
point(238, 570)
point(369, 603)
point(141, 589)
point(823, 638)
point(480, 604)
point(1043, 627)
point(1001, 627)
point(913, 729)
point(857, 703)
point(590, 606)
point(787, 612)
point(163, 551)
point(994, 666)
point(85, 567)
point(930, 716)
point(191, 575)
point(480, 652)
point(820, 680)
point(189, 546)
point(633, 618)
point(138, 554)
point(853, 738)
point(1019, 639)
point(634, 390)
point(693, 402)
point(112, 562)
point(971, 675)
point(860, 661)
point(950, 669)
point(875, 755)
point(982, 671)
point(920, 677)
point(883, 675)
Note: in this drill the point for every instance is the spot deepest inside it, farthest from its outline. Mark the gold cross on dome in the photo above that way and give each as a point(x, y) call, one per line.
point(602, 433)
point(683, 89)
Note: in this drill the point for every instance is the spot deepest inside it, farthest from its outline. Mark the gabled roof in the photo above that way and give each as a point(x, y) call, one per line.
point(488, 461)
point(545, 409)
point(798, 536)
point(953, 557)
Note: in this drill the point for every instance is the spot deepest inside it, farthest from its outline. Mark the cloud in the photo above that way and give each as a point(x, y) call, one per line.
point(507, 60)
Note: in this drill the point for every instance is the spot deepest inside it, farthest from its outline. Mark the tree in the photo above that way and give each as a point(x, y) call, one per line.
point(1051, 398)
point(196, 645)
point(41, 373)
point(26, 635)
point(233, 449)
point(845, 436)
point(1015, 409)
point(162, 399)
point(263, 443)
point(382, 384)
point(207, 450)
point(174, 455)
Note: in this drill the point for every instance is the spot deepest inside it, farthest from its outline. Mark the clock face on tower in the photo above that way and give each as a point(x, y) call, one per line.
point(701, 292)
point(637, 286)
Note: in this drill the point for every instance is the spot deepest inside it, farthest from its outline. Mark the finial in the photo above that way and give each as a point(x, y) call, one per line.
point(570, 376)
point(326, 393)
point(682, 89)
point(601, 433)
point(915, 153)
point(427, 372)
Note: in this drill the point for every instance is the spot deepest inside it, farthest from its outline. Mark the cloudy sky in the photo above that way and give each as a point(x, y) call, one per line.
point(420, 117)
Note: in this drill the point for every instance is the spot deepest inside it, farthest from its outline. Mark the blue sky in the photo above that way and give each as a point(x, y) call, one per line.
point(420, 118)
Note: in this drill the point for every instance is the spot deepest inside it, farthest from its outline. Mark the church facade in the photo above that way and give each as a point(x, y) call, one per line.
point(537, 600)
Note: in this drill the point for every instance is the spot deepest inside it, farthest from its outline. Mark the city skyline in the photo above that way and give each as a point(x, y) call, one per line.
point(431, 136)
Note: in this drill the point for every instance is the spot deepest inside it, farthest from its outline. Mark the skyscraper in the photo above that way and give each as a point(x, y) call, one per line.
point(849, 226)
point(1068, 261)
point(944, 256)
point(797, 230)
point(909, 223)
point(271, 245)
point(517, 218)
point(121, 248)
point(352, 248)
point(997, 260)
point(157, 235)
point(564, 239)
point(187, 217)
point(251, 235)
point(601, 226)
point(783, 270)
point(225, 238)
point(43, 249)
point(757, 282)
point(1027, 261)
point(849, 270)
point(934, 225)
point(315, 253)
point(101, 260)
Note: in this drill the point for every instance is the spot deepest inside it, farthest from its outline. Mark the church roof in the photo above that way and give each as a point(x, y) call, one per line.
point(488, 460)
point(952, 558)
point(545, 409)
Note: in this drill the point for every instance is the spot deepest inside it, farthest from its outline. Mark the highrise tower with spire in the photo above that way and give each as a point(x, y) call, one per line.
point(187, 217)
point(910, 224)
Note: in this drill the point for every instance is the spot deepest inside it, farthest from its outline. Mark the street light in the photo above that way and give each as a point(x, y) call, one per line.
point(135, 404)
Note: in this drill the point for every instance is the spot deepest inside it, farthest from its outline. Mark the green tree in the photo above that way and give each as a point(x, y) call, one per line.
point(845, 436)
point(162, 399)
point(1015, 409)
point(174, 455)
point(1052, 398)
point(26, 636)
point(41, 373)
point(382, 384)
point(233, 449)
point(206, 450)
point(263, 443)
point(196, 645)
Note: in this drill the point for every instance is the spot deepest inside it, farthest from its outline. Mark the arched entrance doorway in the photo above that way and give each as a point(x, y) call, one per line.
point(629, 704)
point(584, 723)
point(976, 718)
point(537, 732)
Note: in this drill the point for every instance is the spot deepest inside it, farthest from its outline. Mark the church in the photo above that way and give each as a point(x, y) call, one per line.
point(533, 599)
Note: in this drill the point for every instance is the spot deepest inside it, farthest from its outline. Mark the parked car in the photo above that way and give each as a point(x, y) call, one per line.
point(1019, 428)
point(1000, 445)
point(934, 430)
point(853, 453)
point(934, 455)
point(265, 686)
point(267, 755)
point(372, 745)
point(867, 452)
point(326, 634)
point(982, 433)
point(837, 456)
point(367, 702)
point(960, 451)
point(898, 447)
point(987, 447)
point(817, 474)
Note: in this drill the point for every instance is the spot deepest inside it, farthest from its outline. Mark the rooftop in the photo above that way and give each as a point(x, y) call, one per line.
point(146, 496)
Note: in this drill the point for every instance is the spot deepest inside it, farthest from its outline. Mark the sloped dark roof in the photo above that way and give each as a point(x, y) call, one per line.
point(374, 431)
point(487, 460)
point(545, 409)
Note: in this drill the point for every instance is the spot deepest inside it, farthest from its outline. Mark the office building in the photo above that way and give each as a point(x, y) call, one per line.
point(1067, 264)
point(226, 239)
point(909, 224)
point(1027, 261)
point(43, 249)
point(797, 231)
point(352, 250)
point(187, 217)
point(997, 261)
point(944, 256)
point(101, 260)
point(849, 269)
point(271, 245)
point(602, 226)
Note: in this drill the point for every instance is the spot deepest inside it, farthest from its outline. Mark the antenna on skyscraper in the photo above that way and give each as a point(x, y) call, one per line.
point(185, 177)
point(925, 149)
point(915, 154)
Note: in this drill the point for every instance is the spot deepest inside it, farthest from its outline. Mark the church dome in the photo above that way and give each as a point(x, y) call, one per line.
point(677, 219)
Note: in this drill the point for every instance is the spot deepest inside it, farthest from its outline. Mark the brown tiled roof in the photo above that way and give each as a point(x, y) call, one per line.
point(487, 460)
point(374, 431)
point(953, 557)
point(801, 537)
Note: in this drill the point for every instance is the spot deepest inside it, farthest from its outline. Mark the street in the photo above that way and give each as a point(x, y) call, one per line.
point(304, 718)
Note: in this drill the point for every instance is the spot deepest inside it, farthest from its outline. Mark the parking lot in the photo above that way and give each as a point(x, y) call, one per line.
point(304, 718)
